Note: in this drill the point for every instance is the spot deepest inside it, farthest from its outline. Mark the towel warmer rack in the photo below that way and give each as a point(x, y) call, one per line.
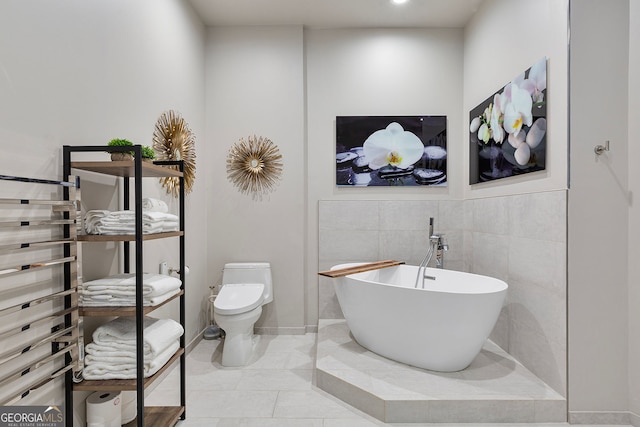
point(38, 289)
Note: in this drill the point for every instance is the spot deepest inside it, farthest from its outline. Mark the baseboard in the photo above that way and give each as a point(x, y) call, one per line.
point(283, 330)
point(194, 342)
point(601, 417)
point(634, 419)
point(265, 330)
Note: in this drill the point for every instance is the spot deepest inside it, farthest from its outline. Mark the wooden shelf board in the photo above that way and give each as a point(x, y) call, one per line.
point(126, 237)
point(126, 169)
point(159, 416)
point(106, 311)
point(341, 272)
point(115, 385)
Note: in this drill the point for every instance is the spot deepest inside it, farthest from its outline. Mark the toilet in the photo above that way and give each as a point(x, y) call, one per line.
point(246, 287)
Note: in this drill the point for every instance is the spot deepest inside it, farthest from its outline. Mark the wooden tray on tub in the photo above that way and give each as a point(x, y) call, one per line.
point(341, 272)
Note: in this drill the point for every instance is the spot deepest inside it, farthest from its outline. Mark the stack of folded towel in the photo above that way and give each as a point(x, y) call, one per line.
point(154, 205)
point(155, 219)
point(120, 290)
point(124, 222)
point(112, 354)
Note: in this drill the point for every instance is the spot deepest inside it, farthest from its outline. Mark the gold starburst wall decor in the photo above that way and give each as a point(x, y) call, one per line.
point(254, 166)
point(173, 140)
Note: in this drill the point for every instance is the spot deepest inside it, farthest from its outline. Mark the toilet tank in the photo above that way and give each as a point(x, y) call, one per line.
point(249, 272)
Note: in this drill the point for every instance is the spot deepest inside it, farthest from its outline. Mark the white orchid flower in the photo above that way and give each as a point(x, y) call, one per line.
point(496, 117)
point(487, 111)
point(484, 134)
point(392, 146)
point(519, 80)
point(537, 80)
point(517, 111)
point(484, 131)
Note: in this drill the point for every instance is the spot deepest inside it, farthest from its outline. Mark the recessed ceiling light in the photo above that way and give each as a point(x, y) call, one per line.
point(399, 1)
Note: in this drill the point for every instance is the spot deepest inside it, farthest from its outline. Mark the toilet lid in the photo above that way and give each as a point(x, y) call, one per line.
point(235, 298)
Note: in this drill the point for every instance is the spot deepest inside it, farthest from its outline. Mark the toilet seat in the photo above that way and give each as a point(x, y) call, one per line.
point(235, 298)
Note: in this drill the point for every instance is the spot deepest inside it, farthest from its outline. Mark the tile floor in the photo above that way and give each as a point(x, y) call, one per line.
point(277, 389)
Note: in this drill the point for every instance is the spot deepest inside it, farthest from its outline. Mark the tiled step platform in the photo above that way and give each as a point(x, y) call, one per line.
point(494, 389)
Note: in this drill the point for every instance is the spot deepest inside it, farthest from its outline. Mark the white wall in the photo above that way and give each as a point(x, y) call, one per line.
point(598, 213)
point(82, 73)
point(354, 72)
point(376, 72)
point(634, 216)
point(513, 220)
point(501, 41)
point(371, 230)
point(255, 86)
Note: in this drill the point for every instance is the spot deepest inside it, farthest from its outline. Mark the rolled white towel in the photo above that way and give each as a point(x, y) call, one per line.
point(130, 229)
point(95, 214)
point(126, 301)
point(123, 222)
point(96, 370)
point(114, 230)
point(154, 205)
point(158, 333)
point(153, 284)
point(125, 216)
point(159, 216)
point(168, 226)
point(159, 299)
point(93, 218)
point(120, 217)
point(98, 354)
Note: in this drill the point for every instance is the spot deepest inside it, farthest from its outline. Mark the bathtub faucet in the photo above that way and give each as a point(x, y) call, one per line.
point(438, 246)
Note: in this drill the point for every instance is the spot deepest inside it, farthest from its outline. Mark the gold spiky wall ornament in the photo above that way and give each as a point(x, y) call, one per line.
point(254, 166)
point(173, 140)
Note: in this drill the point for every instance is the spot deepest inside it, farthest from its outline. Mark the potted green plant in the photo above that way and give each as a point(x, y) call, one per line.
point(123, 155)
point(148, 154)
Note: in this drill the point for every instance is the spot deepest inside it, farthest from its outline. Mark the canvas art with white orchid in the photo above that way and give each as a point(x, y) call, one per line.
point(391, 150)
point(507, 132)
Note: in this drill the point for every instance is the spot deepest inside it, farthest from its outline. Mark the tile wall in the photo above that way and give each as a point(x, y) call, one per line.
point(520, 239)
point(353, 231)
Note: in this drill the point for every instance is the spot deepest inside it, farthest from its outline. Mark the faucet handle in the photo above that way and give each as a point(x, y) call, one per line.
point(440, 241)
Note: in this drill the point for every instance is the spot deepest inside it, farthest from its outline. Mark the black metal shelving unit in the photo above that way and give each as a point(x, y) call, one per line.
point(136, 170)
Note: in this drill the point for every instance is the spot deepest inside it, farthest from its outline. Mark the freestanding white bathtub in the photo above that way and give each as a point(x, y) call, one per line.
point(441, 327)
